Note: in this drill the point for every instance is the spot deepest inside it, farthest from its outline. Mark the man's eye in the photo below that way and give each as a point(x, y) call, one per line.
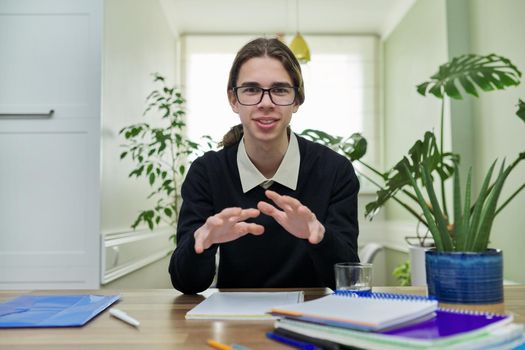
point(250, 90)
point(281, 91)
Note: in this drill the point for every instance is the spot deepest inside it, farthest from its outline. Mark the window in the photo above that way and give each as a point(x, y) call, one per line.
point(341, 86)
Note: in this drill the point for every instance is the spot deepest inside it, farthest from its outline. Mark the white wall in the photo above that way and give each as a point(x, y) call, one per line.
point(137, 42)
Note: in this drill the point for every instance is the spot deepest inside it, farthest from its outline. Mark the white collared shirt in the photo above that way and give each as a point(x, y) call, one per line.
point(287, 173)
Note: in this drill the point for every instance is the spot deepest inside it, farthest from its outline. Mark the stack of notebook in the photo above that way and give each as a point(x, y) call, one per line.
point(388, 321)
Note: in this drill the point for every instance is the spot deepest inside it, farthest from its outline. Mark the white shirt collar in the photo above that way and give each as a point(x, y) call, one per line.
point(287, 173)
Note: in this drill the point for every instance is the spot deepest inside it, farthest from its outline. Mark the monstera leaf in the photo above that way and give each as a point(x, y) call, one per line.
point(353, 147)
point(424, 152)
point(491, 72)
point(521, 110)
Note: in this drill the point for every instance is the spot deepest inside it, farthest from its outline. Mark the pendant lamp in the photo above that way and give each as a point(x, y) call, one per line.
point(300, 48)
point(298, 44)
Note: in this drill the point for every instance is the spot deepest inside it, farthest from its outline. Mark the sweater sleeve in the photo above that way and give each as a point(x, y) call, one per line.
point(191, 272)
point(341, 227)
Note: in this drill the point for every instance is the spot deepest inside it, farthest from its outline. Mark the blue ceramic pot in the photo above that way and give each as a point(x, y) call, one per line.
point(465, 277)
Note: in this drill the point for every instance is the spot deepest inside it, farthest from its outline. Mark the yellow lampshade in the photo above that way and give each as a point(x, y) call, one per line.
point(300, 48)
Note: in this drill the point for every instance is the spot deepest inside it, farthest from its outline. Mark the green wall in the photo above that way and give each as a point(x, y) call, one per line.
point(411, 54)
point(481, 129)
point(497, 26)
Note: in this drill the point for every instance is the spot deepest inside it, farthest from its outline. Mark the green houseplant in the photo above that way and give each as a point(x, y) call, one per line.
point(462, 269)
point(160, 150)
point(417, 182)
point(469, 226)
point(402, 274)
point(488, 73)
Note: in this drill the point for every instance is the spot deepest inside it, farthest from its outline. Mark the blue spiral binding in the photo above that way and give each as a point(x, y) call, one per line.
point(382, 295)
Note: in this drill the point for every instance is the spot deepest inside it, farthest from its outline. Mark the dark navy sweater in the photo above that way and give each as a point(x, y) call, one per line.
point(327, 184)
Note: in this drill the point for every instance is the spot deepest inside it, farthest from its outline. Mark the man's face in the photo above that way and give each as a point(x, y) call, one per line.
point(264, 122)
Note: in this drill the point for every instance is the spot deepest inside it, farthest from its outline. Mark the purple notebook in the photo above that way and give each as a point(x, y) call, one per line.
point(450, 322)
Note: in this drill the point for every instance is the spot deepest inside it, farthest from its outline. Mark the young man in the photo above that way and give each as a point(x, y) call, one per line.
point(282, 209)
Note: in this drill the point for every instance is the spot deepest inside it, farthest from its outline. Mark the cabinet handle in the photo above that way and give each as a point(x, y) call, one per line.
point(28, 115)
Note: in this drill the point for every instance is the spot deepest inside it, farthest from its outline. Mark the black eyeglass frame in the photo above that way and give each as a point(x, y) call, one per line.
point(295, 90)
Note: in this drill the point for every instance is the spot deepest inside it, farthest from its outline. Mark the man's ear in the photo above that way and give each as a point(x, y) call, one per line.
point(295, 107)
point(233, 101)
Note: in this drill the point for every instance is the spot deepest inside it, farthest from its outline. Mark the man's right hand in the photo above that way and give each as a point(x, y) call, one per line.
point(226, 226)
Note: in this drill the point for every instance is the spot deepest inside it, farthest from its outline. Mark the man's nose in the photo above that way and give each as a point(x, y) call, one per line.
point(266, 98)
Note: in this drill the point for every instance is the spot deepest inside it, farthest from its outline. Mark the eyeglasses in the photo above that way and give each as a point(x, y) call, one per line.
point(253, 95)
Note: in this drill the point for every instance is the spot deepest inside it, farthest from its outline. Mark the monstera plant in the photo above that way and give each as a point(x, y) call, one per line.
point(417, 181)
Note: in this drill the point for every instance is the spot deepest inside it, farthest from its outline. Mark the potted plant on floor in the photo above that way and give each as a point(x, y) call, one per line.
point(465, 231)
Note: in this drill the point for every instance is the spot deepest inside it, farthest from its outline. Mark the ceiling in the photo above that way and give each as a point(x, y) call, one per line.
point(272, 16)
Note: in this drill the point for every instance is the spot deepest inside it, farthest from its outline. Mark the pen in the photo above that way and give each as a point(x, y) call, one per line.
point(292, 342)
point(121, 315)
point(239, 347)
point(218, 345)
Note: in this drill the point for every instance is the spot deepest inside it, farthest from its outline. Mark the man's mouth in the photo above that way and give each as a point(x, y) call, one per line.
point(266, 121)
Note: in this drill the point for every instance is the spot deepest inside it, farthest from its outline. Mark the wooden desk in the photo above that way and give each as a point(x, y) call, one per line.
point(161, 313)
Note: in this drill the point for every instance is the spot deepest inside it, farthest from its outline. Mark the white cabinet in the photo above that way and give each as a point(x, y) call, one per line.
point(50, 60)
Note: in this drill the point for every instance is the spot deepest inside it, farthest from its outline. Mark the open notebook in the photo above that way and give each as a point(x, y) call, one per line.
point(242, 305)
point(363, 313)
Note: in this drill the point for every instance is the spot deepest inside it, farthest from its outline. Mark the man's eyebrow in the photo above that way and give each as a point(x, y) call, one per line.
point(275, 84)
point(250, 83)
point(281, 84)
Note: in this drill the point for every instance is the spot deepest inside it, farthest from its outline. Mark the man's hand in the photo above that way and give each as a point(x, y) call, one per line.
point(226, 226)
point(294, 217)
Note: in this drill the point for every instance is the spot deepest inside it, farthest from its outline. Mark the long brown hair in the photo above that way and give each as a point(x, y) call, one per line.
point(262, 47)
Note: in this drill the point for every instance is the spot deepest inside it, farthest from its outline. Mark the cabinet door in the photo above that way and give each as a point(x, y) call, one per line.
point(49, 143)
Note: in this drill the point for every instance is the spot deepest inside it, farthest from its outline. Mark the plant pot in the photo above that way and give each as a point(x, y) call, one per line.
point(465, 278)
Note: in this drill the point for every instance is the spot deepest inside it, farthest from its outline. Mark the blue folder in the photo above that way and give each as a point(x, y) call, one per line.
point(53, 310)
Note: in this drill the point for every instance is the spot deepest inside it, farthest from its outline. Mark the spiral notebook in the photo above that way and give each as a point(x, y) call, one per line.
point(444, 329)
point(499, 335)
point(373, 312)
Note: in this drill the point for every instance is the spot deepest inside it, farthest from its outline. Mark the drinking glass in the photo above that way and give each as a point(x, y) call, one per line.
point(353, 277)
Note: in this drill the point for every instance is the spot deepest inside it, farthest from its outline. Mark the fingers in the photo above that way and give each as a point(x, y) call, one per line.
point(286, 203)
point(236, 214)
point(248, 214)
point(226, 226)
point(306, 213)
point(317, 232)
point(267, 208)
point(289, 205)
point(294, 217)
point(243, 228)
point(200, 236)
point(228, 213)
